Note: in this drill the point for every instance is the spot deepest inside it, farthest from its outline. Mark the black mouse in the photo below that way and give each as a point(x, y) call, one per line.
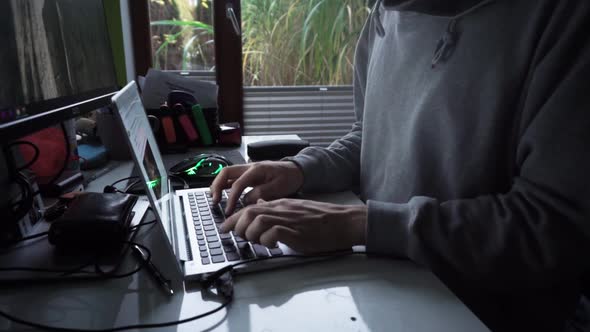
point(205, 165)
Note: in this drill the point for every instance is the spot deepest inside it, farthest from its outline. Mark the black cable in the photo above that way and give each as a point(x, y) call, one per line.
point(33, 160)
point(111, 188)
point(121, 328)
point(132, 228)
point(27, 199)
point(123, 179)
point(185, 183)
point(17, 320)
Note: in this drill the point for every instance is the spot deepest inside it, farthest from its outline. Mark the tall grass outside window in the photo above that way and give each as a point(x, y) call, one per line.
point(285, 42)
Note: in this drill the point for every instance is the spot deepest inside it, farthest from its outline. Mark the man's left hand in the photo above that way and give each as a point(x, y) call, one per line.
point(305, 226)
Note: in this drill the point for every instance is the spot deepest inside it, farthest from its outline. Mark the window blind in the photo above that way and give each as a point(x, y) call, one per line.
point(317, 114)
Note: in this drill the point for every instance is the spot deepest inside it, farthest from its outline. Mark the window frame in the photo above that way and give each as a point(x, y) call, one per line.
point(228, 54)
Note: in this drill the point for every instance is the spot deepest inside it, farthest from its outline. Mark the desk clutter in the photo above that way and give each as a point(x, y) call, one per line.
point(181, 122)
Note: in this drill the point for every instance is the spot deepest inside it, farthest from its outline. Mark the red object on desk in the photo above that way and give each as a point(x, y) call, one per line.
point(52, 152)
point(189, 129)
point(169, 132)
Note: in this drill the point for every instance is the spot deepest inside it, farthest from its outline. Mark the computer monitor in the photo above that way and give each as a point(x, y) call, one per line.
point(55, 63)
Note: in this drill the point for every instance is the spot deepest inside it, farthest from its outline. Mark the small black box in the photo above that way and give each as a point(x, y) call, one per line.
point(275, 149)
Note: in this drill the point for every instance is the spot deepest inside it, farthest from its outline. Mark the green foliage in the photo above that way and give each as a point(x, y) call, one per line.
point(285, 42)
point(300, 42)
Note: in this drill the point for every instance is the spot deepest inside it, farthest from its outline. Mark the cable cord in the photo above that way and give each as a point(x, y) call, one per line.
point(14, 319)
point(208, 282)
point(120, 328)
point(27, 143)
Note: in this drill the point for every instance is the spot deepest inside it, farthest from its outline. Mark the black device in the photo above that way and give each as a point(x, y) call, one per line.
point(204, 167)
point(275, 149)
point(57, 65)
point(93, 222)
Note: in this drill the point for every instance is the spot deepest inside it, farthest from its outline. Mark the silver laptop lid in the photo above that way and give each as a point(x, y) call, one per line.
point(146, 154)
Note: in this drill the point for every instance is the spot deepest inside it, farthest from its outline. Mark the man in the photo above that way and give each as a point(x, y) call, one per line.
point(471, 150)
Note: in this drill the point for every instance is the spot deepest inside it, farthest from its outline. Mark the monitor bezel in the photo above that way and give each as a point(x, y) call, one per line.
point(42, 114)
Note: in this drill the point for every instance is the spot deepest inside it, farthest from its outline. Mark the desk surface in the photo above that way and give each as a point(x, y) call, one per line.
point(345, 294)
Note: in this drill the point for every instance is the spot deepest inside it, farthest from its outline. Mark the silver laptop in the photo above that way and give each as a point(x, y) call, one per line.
point(188, 217)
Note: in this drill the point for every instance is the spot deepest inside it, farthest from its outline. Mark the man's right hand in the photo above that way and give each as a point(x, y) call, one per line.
point(269, 179)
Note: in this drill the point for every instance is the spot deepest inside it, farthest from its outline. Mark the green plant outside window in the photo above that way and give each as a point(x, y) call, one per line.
point(285, 42)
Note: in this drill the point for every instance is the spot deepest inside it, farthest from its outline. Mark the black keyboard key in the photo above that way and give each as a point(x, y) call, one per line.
point(245, 250)
point(206, 218)
point(213, 245)
point(201, 242)
point(216, 212)
point(227, 242)
point(200, 237)
point(203, 214)
point(197, 223)
point(212, 239)
point(222, 204)
point(204, 254)
point(229, 248)
point(218, 259)
point(205, 261)
point(216, 252)
point(210, 233)
point(202, 248)
point(199, 231)
point(209, 228)
point(207, 222)
point(276, 251)
point(260, 250)
point(232, 256)
point(224, 236)
point(239, 239)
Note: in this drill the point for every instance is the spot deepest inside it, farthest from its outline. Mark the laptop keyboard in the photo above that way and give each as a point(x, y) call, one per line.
point(216, 247)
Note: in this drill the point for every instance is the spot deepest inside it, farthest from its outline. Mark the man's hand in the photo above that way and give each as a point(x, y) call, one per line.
point(270, 180)
point(304, 226)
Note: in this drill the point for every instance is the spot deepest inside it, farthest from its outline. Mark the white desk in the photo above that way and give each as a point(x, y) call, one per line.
point(347, 294)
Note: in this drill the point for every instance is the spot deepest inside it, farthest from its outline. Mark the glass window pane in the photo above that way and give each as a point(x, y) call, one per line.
point(300, 42)
point(182, 34)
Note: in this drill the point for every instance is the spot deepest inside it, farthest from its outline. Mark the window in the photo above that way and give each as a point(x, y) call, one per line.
point(279, 74)
point(182, 35)
point(284, 42)
point(300, 42)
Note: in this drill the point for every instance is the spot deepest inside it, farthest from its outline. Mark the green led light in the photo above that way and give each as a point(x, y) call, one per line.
point(193, 170)
point(153, 184)
point(219, 168)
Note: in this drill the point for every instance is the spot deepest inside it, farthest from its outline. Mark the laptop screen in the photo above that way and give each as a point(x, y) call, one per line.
point(144, 148)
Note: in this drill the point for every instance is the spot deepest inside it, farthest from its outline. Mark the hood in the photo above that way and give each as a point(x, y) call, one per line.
point(455, 10)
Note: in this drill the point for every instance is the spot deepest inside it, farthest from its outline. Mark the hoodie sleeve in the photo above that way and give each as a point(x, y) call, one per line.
point(337, 167)
point(537, 233)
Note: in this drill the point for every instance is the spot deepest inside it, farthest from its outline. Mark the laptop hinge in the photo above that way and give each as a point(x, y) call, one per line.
point(181, 238)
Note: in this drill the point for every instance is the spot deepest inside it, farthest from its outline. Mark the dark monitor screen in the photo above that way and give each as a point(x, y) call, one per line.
point(55, 63)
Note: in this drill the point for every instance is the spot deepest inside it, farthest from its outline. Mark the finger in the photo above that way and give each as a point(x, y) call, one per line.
point(252, 177)
point(264, 191)
point(280, 233)
point(261, 224)
point(246, 218)
point(224, 179)
point(230, 222)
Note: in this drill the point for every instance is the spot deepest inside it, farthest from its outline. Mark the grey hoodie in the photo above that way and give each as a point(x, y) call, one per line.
point(472, 150)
